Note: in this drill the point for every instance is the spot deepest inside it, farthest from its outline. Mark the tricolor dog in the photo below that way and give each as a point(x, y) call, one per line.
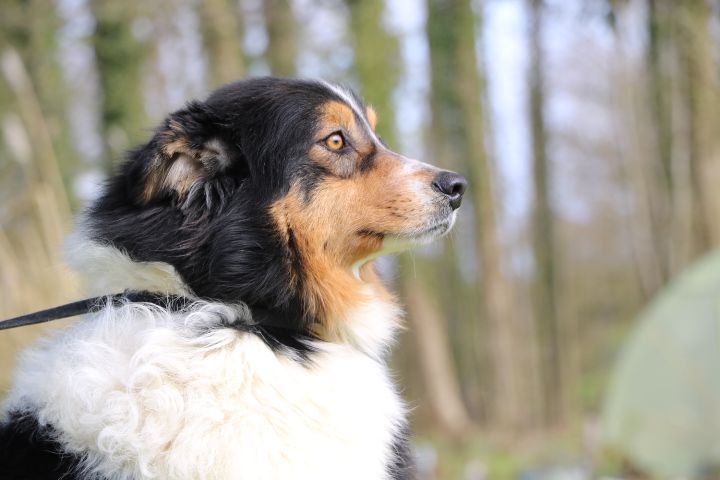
point(262, 207)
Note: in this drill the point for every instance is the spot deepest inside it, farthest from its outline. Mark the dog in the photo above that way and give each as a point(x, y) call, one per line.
point(263, 207)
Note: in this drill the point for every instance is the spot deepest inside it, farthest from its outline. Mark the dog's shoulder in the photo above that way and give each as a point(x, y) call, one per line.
point(138, 390)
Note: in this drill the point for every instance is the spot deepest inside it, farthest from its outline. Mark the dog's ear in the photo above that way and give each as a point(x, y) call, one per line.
point(186, 150)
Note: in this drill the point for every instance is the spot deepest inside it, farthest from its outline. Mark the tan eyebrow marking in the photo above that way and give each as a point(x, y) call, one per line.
point(338, 113)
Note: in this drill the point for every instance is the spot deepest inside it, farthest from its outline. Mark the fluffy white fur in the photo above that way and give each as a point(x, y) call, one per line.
point(146, 393)
point(106, 269)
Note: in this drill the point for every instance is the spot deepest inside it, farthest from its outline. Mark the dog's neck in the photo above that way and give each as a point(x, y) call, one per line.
point(366, 315)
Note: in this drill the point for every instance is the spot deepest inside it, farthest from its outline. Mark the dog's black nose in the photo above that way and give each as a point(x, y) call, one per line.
point(452, 185)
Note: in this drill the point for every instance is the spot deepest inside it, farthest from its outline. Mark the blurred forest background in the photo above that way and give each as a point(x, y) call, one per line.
point(589, 131)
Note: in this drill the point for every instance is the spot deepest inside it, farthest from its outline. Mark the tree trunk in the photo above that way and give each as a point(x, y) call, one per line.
point(119, 55)
point(700, 89)
point(543, 231)
point(458, 137)
point(376, 50)
point(222, 33)
point(435, 360)
point(282, 37)
point(661, 171)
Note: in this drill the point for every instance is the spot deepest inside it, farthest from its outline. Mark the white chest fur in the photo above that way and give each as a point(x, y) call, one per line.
point(143, 395)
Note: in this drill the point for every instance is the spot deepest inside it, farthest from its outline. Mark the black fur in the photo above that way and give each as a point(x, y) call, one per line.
point(220, 238)
point(402, 468)
point(29, 452)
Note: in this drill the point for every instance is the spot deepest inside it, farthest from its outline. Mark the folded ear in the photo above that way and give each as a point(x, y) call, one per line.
point(186, 151)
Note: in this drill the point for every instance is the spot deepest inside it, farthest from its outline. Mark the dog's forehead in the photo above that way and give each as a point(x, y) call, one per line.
point(345, 95)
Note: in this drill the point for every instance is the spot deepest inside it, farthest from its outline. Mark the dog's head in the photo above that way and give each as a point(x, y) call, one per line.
point(274, 192)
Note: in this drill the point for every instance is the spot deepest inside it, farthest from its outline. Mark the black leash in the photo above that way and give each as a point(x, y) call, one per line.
point(175, 302)
point(275, 328)
point(274, 322)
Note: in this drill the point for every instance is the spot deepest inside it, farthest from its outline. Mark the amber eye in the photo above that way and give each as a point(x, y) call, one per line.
point(335, 141)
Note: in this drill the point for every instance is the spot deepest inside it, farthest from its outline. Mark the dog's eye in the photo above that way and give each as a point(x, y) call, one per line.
point(335, 141)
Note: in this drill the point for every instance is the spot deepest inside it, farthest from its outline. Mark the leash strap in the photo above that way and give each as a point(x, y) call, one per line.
point(175, 302)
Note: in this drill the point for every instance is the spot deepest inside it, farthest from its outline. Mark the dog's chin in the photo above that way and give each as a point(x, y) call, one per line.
point(433, 230)
point(400, 241)
point(403, 241)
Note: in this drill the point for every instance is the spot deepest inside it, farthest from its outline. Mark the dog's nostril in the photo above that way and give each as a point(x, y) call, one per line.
point(452, 185)
point(458, 186)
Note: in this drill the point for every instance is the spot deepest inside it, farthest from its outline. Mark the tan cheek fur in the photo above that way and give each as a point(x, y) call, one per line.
point(344, 220)
point(385, 198)
point(332, 231)
point(330, 291)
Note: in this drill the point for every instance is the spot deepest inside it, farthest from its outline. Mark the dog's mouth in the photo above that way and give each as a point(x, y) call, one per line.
point(429, 233)
point(435, 229)
point(400, 242)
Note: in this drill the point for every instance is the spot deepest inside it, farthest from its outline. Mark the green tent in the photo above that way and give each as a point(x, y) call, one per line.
point(663, 405)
